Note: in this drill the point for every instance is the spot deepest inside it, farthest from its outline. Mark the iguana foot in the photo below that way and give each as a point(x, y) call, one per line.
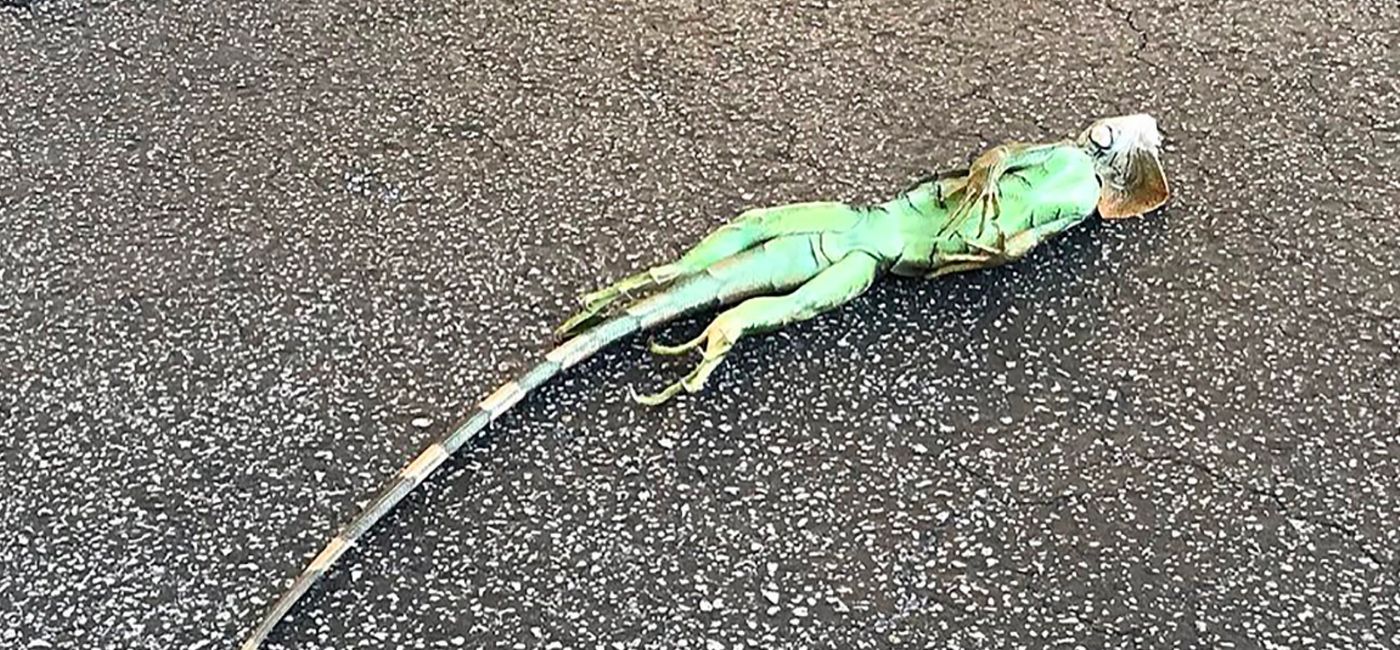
point(979, 192)
point(595, 303)
point(1005, 250)
point(995, 252)
point(976, 196)
point(832, 286)
point(720, 343)
point(959, 264)
point(950, 263)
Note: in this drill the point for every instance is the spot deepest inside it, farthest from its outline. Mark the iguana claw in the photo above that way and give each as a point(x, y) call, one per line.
point(691, 383)
point(718, 339)
point(657, 399)
point(995, 252)
point(578, 322)
point(976, 193)
point(676, 350)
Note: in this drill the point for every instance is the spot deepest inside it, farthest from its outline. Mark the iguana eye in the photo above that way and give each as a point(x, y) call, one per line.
point(1102, 136)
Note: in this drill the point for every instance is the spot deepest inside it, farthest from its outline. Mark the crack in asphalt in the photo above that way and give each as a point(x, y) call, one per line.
point(1129, 17)
point(1347, 533)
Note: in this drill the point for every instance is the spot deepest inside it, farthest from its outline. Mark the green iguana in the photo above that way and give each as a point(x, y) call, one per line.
point(803, 259)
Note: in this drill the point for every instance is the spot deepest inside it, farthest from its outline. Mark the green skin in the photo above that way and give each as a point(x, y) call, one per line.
point(829, 253)
point(814, 257)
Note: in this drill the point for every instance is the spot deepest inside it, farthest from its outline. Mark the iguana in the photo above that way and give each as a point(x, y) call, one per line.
point(789, 263)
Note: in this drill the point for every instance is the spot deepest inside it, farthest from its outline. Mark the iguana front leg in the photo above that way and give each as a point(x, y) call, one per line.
point(748, 230)
point(1007, 250)
point(978, 192)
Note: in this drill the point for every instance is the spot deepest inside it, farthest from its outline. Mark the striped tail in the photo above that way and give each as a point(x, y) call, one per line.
point(695, 293)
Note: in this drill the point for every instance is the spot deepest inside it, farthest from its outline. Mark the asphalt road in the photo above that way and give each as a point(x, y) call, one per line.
point(244, 245)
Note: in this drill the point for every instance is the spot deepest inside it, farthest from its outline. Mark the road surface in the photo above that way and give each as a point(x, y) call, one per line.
point(244, 245)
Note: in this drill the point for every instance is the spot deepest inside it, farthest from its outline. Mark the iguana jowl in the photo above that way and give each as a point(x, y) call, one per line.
point(797, 261)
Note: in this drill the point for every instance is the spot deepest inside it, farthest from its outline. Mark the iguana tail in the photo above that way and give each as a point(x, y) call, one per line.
point(698, 292)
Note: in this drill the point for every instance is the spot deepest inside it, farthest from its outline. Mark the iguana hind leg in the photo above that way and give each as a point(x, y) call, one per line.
point(596, 302)
point(830, 288)
point(748, 230)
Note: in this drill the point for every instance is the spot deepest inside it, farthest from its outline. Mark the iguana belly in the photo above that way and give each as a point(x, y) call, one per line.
point(1063, 186)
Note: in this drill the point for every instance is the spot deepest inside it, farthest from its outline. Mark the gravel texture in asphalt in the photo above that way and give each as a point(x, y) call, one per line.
point(253, 255)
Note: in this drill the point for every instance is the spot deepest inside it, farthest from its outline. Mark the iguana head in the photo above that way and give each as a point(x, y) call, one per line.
point(1125, 153)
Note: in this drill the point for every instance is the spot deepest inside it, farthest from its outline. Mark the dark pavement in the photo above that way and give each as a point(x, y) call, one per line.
point(244, 245)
